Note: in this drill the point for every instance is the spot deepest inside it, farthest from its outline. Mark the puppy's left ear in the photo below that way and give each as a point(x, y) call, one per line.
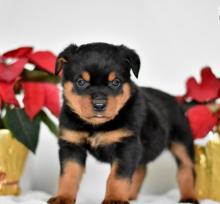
point(59, 64)
point(132, 58)
point(64, 57)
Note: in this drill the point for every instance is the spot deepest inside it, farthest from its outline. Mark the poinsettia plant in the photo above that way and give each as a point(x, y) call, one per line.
point(203, 101)
point(28, 92)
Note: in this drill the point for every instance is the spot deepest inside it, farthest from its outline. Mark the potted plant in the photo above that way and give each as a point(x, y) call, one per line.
point(203, 111)
point(28, 92)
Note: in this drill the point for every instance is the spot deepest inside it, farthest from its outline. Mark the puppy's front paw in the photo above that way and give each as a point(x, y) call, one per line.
point(60, 200)
point(193, 201)
point(114, 202)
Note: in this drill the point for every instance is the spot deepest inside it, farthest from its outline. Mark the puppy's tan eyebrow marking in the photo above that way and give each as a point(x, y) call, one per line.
point(111, 76)
point(109, 137)
point(86, 76)
point(73, 136)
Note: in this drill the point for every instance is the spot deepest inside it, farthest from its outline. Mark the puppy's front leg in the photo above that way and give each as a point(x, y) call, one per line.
point(72, 161)
point(122, 169)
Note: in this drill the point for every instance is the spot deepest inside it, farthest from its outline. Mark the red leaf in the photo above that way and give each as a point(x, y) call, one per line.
point(21, 52)
point(44, 60)
point(7, 94)
point(34, 95)
point(207, 90)
point(201, 120)
point(38, 95)
point(11, 72)
point(52, 101)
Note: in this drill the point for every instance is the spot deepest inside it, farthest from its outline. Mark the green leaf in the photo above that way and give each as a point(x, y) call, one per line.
point(23, 129)
point(49, 123)
point(39, 76)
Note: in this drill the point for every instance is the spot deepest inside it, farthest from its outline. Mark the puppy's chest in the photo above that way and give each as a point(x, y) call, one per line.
point(101, 144)
point(97, 139)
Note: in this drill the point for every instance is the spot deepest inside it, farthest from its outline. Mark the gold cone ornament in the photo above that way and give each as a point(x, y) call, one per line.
point(208, 167)
point(13, 155)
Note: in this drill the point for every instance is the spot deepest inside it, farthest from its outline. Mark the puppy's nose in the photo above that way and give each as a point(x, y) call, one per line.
point(99, 104)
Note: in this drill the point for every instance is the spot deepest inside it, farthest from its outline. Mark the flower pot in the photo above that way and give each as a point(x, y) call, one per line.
point(13, 155)
point(208, 167)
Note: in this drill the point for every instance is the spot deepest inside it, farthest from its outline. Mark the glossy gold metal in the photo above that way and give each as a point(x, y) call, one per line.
point(13, 155)
point(208, 168)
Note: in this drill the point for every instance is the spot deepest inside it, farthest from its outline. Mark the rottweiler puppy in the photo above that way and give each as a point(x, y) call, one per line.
point(106, 114)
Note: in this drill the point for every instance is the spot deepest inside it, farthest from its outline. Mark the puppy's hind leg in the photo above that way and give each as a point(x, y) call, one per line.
point(185, 174)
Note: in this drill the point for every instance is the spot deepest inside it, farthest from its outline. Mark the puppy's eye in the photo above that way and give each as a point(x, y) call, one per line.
point(116, 83)
point(81, 83)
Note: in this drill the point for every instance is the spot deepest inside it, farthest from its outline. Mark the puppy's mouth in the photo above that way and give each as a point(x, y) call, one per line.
point(98, 119)
point(98, 115)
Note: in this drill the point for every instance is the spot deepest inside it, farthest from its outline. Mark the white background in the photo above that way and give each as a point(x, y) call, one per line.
point(174, 39)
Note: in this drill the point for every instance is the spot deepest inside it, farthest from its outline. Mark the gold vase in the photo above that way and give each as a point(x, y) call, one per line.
point(208, 168)
point(13, 155)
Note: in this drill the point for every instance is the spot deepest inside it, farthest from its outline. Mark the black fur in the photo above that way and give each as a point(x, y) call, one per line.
point(69, 151)
point(155, 117)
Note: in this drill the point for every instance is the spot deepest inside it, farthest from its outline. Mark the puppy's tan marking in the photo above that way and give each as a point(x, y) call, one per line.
point(137, 180)
point(117, 188)
point(111, 76)
point(81, 105)
point(86, 76)
point(70, 180)
point(115, 103)
point(60, 199)
point(110, 137)
point(73, 136)
point(185, 175)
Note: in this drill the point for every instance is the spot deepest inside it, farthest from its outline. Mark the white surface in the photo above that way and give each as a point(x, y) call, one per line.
point(41, 198)
point(173, 38)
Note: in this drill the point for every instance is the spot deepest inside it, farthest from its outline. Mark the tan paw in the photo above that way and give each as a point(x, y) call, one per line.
point(60, 200)
point(114, 202)
point(193, 201)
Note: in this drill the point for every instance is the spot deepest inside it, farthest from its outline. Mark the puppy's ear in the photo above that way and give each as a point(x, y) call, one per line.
point(64, 57)
point(132, 58)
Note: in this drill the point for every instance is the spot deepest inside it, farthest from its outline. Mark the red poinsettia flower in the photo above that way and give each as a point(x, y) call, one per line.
point(21, 52)
point(7, 94)
point(38, 95)
point(201, 120)
point(52, 101)
point(44, 60)
point(9, 72)
point(208, 89)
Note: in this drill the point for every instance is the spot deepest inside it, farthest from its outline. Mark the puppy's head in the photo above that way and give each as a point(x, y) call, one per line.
point(96, 79)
